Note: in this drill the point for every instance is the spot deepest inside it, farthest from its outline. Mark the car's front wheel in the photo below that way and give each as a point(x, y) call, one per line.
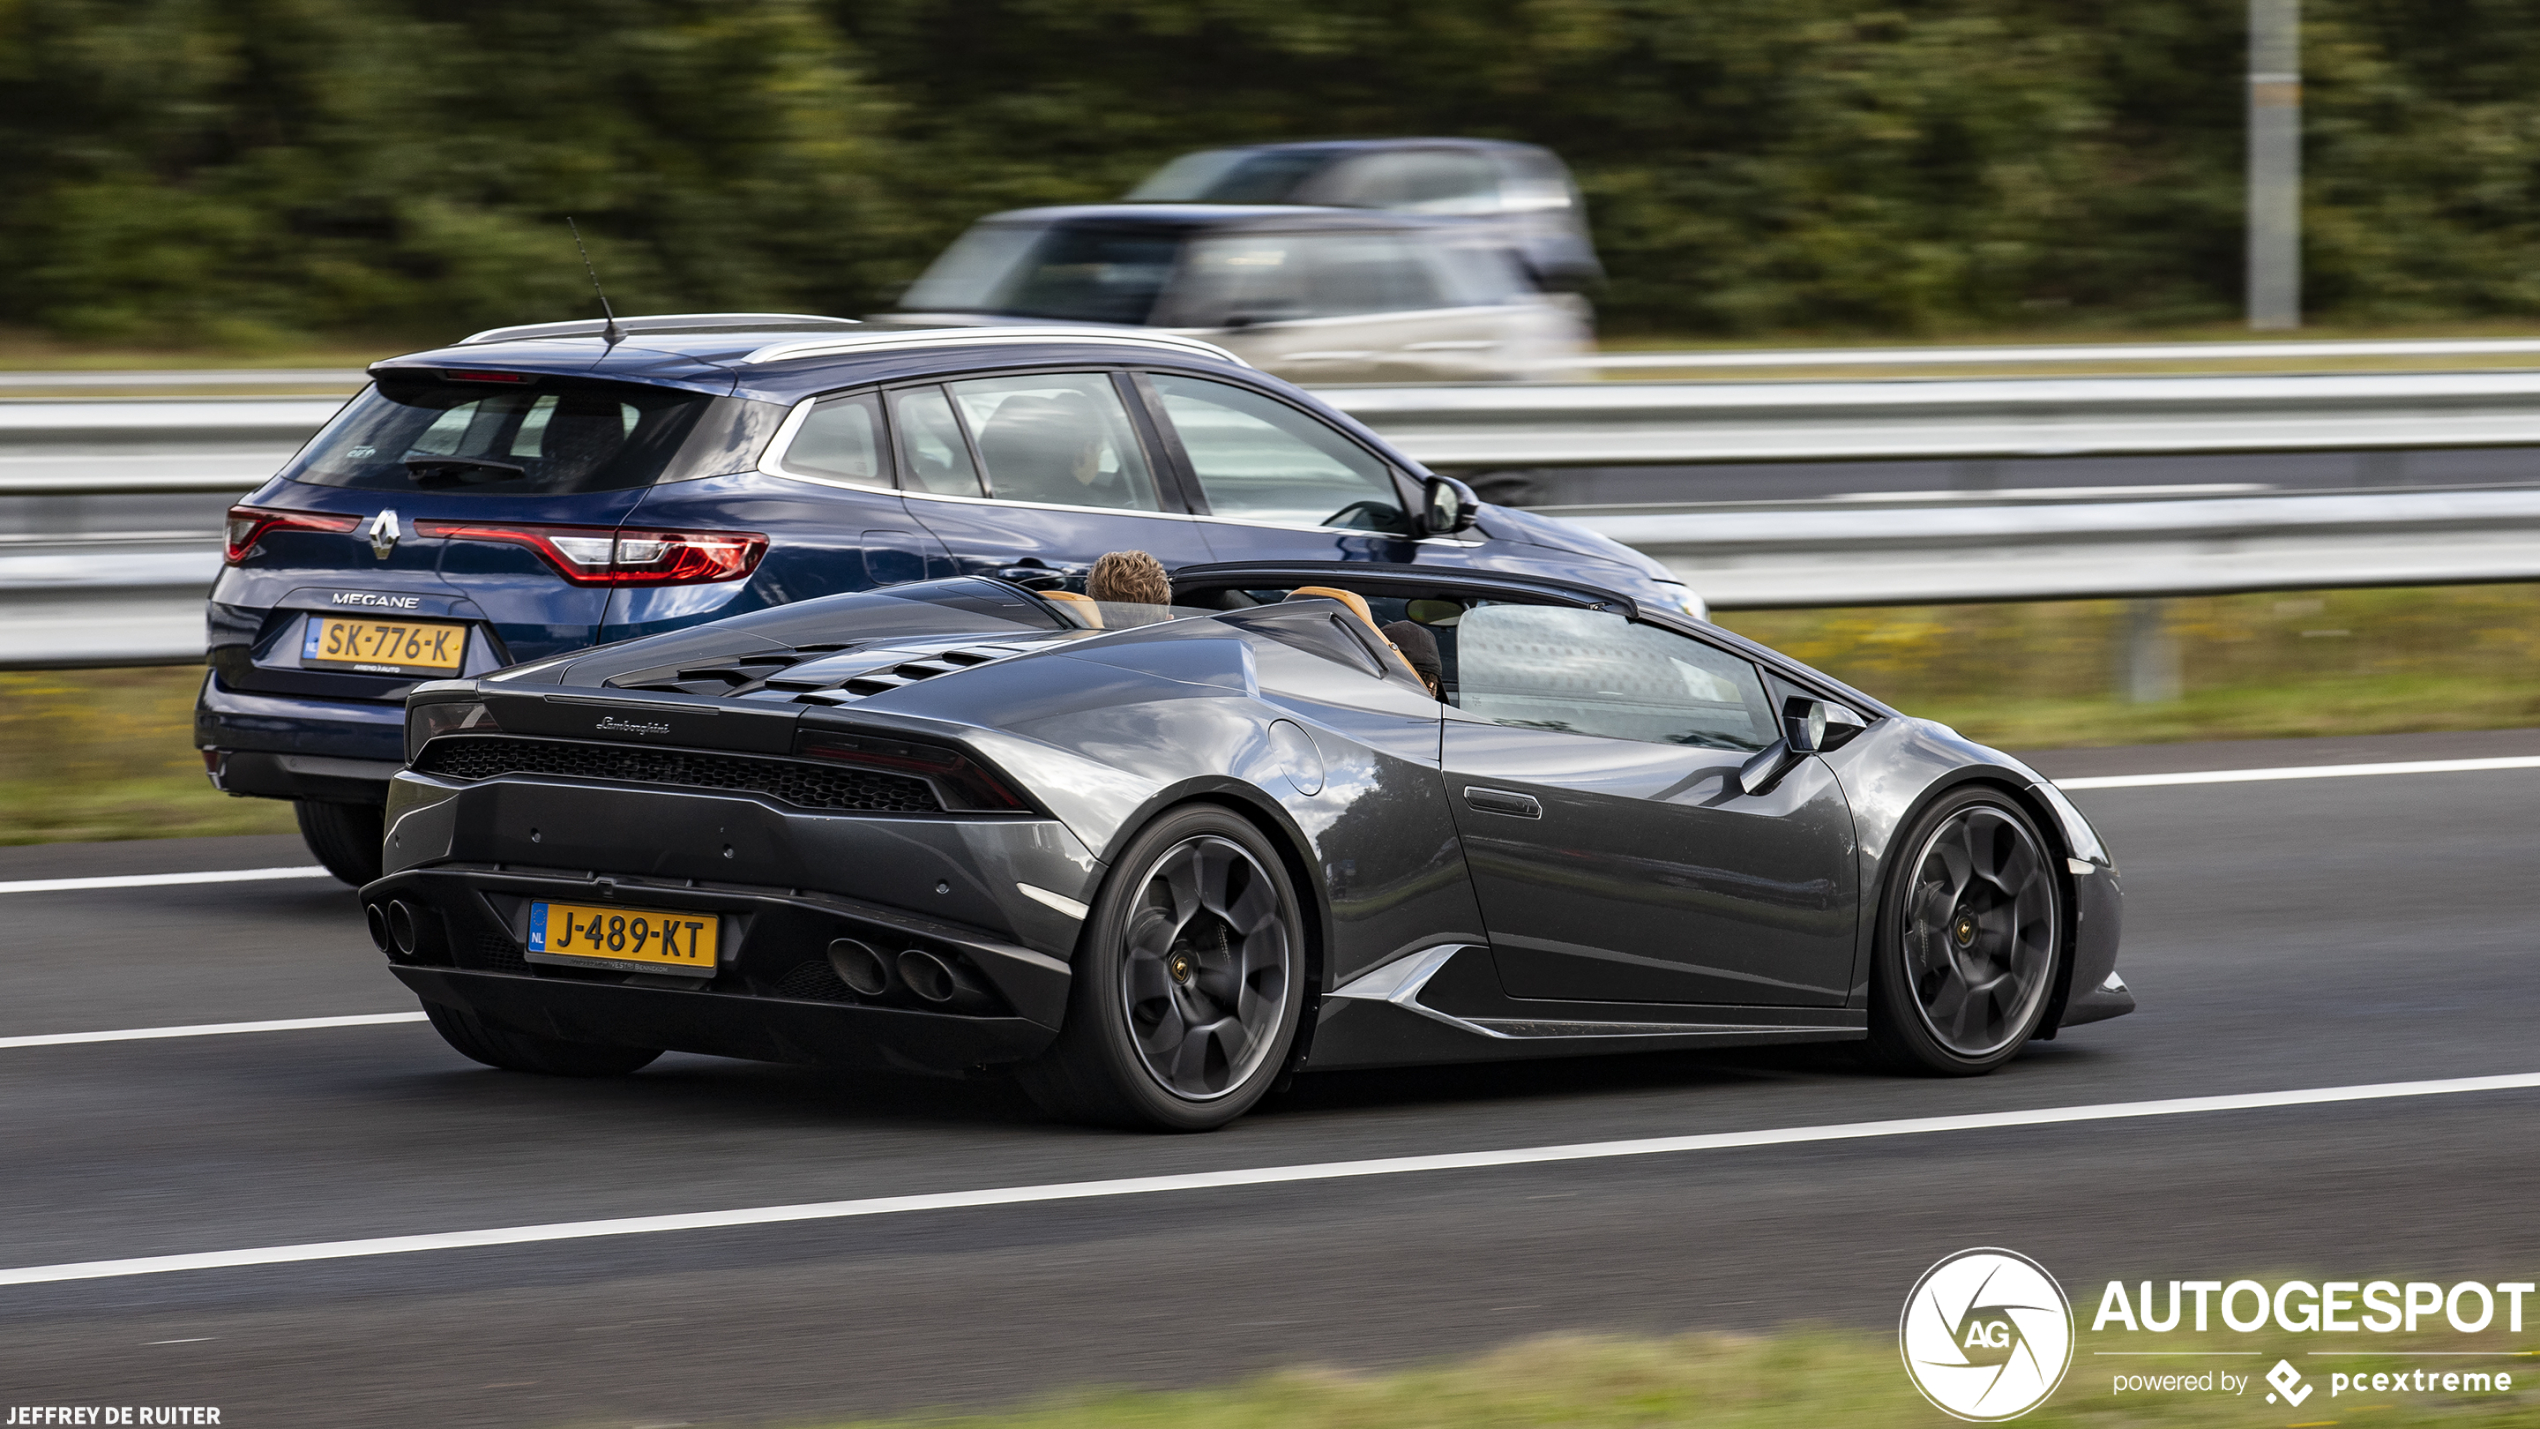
point(470, 1037)
point(1188, 982)
point(1970, 930)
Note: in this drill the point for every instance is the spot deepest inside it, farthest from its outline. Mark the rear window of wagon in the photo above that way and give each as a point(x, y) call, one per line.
point(538, 436)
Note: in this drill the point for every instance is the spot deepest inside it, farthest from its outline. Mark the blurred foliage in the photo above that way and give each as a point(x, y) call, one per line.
point(109, 754)
point(231, 172)
point(2046, 675)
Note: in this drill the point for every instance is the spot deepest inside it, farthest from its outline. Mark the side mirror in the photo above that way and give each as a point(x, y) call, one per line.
point(1804, 724)
point(1814, 727)
point(1447, 506)
point(1841, 725)
point(1809, 726)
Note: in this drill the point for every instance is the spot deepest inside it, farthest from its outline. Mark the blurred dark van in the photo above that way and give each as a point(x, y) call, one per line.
point(1314, 295)
point(1520, 194)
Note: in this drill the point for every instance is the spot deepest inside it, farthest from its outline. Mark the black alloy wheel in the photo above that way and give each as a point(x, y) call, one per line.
point(1970, 933)
point(1188, 982)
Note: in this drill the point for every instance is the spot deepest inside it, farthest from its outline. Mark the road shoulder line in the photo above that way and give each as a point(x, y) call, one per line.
point(208, 1029)
point(2299, 771)
point(160, 880)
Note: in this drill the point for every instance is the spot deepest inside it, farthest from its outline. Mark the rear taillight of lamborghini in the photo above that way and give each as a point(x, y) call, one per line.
point(962, 782)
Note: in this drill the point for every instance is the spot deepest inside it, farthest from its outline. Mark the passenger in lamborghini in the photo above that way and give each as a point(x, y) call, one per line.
point(1130, 577)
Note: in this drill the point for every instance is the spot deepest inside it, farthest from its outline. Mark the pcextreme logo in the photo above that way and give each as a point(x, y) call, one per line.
point(1986, 1334)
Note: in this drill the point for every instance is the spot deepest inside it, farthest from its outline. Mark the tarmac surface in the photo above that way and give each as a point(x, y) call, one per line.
point(2280, 935)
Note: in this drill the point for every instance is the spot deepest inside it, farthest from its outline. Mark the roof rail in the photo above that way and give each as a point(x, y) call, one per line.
point(666, 322)
point(932, 337)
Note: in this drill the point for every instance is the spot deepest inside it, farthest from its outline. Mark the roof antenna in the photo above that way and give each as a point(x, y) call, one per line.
point(609, 334)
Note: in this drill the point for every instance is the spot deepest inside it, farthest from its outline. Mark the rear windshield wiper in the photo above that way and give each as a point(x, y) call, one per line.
point(454, 470)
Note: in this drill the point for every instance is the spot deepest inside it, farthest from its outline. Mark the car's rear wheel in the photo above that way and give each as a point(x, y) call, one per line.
point(345, 837)
point(1970, 931)
point(1188, 982)
point(519, 1052)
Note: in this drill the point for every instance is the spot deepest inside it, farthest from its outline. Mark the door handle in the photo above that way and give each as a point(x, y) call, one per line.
point(1502, 801)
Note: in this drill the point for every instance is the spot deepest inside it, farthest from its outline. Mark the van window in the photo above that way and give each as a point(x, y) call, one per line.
point(1416, 181)
point(542, 436)
point(1349, 273)
point(1062, 272)
point(1236, 280)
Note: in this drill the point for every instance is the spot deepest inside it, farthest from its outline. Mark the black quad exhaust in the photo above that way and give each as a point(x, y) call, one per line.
point(405, 931)
point(860, 968)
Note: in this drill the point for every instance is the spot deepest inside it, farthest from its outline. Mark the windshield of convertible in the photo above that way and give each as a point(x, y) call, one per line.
point(501, 434)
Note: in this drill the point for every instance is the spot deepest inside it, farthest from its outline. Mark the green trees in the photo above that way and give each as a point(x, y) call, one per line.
point(206, 170)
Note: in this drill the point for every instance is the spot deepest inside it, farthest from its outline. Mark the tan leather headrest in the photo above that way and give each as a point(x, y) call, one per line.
point(1357, 606)
point(1082, 607)
point(1357, 603)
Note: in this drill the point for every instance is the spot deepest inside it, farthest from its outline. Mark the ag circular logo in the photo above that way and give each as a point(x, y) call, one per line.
point(1987, 1334)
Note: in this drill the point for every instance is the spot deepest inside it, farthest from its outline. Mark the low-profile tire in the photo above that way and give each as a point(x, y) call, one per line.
point(1188, 982)
point(519, 1052)
point(345, 837)
point(1970, 933)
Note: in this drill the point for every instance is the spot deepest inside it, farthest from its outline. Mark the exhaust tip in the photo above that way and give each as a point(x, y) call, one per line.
point(927, 975)
point(403, 927)
point(377, 918)
point(859, 967)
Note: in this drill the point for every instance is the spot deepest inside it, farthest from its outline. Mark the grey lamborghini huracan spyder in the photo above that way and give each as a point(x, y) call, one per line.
point(1155, 859)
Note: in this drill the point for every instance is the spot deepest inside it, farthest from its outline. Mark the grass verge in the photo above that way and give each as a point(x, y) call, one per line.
point(2291, 665)
point(109, 754)
point(1798, 1380)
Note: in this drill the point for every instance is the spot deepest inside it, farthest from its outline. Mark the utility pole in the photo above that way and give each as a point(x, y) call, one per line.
point(2275, 163)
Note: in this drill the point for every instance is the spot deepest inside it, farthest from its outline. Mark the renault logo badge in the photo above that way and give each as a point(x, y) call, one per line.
point(383, 534)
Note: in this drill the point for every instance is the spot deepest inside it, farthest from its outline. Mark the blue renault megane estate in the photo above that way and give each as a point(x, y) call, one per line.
point(536, 490)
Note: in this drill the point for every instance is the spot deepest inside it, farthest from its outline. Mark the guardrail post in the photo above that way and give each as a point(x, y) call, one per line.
point(2147, 655)
point(2275, 164)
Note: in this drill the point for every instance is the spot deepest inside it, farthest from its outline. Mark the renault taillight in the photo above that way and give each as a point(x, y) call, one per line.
point(248, 525)
point(596, 555)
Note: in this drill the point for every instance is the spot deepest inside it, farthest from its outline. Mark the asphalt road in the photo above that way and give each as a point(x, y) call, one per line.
point(2281, 935)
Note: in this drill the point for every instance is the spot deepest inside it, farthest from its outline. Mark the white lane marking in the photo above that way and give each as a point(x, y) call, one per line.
point(2300, 771)
point(208, 1029)
point(1255, 1176)
point(160, 880)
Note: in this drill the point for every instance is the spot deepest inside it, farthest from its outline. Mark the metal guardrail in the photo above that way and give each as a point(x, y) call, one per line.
point(1624, 424)
point(146, 445)
point(2100, 353)
point(1868, 553)
point(136, 597)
